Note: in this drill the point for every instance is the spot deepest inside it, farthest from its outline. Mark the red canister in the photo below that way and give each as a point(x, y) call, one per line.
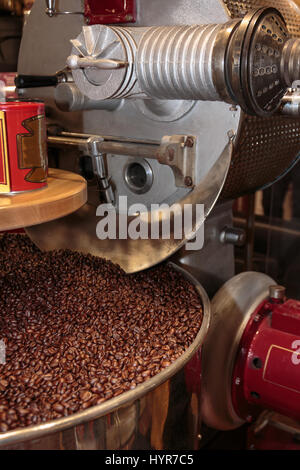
point(23, 146)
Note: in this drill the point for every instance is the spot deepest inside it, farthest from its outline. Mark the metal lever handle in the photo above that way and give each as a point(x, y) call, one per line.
point(35, 81)
point(75, 62)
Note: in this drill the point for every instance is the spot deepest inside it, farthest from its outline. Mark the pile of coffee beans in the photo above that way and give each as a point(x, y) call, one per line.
point(79, 331)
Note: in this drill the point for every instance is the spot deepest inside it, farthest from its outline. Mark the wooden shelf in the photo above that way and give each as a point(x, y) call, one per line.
point(66, 192)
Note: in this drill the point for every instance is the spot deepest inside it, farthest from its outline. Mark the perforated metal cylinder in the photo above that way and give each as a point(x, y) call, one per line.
point(176, 62)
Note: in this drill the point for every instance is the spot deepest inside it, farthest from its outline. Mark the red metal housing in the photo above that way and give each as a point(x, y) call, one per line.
point(267, 370)
point(110, 11)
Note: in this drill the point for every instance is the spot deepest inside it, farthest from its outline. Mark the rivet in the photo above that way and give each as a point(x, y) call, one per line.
point(188, 181)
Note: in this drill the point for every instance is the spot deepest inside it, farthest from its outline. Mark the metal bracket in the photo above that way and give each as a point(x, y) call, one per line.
point(99, 168)
point(178, 152)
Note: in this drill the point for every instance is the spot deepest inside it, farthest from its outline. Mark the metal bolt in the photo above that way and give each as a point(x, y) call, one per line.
point(277, 292)
point(189, 142)
point(171, 154)
point(231, 134)
point(188, 181)
point(233, 236)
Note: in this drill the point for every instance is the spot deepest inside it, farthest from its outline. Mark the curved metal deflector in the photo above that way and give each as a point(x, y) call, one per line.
point(78, 230)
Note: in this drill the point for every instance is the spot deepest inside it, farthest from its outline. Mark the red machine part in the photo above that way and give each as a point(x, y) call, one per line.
point(267, 369)
point(110, 11)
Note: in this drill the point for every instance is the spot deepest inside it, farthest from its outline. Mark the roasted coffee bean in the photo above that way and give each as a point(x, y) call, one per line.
point(3, 427)
point(3, 384)
point(85, 396)
point(58, 408)
point(78, 331)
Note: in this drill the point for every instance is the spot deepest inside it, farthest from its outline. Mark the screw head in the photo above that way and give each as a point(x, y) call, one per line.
point(277, 292)
point(231, 134)
point(189, 142)
point(188, 181)
point(171, 154)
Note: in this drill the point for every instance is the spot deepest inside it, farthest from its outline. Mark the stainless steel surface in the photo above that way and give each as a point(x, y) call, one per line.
point(102, 61)
point(231, 307)
point(205, 264)
point(135, 419)
point(100, 172)
point(164, 110)
point(176, 62)
point(69, 98)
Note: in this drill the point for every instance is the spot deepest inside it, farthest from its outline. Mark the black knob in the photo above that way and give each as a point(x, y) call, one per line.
point(33, 81)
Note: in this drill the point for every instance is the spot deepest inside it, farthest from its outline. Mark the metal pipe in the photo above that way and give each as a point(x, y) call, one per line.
point(132, 150)
point(239, 222)
point(69, 98)
point(141, 150)
point(110, 138)
point(250, 234)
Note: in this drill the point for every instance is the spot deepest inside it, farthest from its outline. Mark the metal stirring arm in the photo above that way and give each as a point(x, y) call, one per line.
point(51, 10)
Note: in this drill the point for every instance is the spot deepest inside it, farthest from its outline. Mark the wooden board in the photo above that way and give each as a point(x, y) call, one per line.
point(66, 193)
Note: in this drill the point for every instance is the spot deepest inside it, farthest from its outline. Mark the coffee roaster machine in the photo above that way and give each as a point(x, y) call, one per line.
point(187, 102)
